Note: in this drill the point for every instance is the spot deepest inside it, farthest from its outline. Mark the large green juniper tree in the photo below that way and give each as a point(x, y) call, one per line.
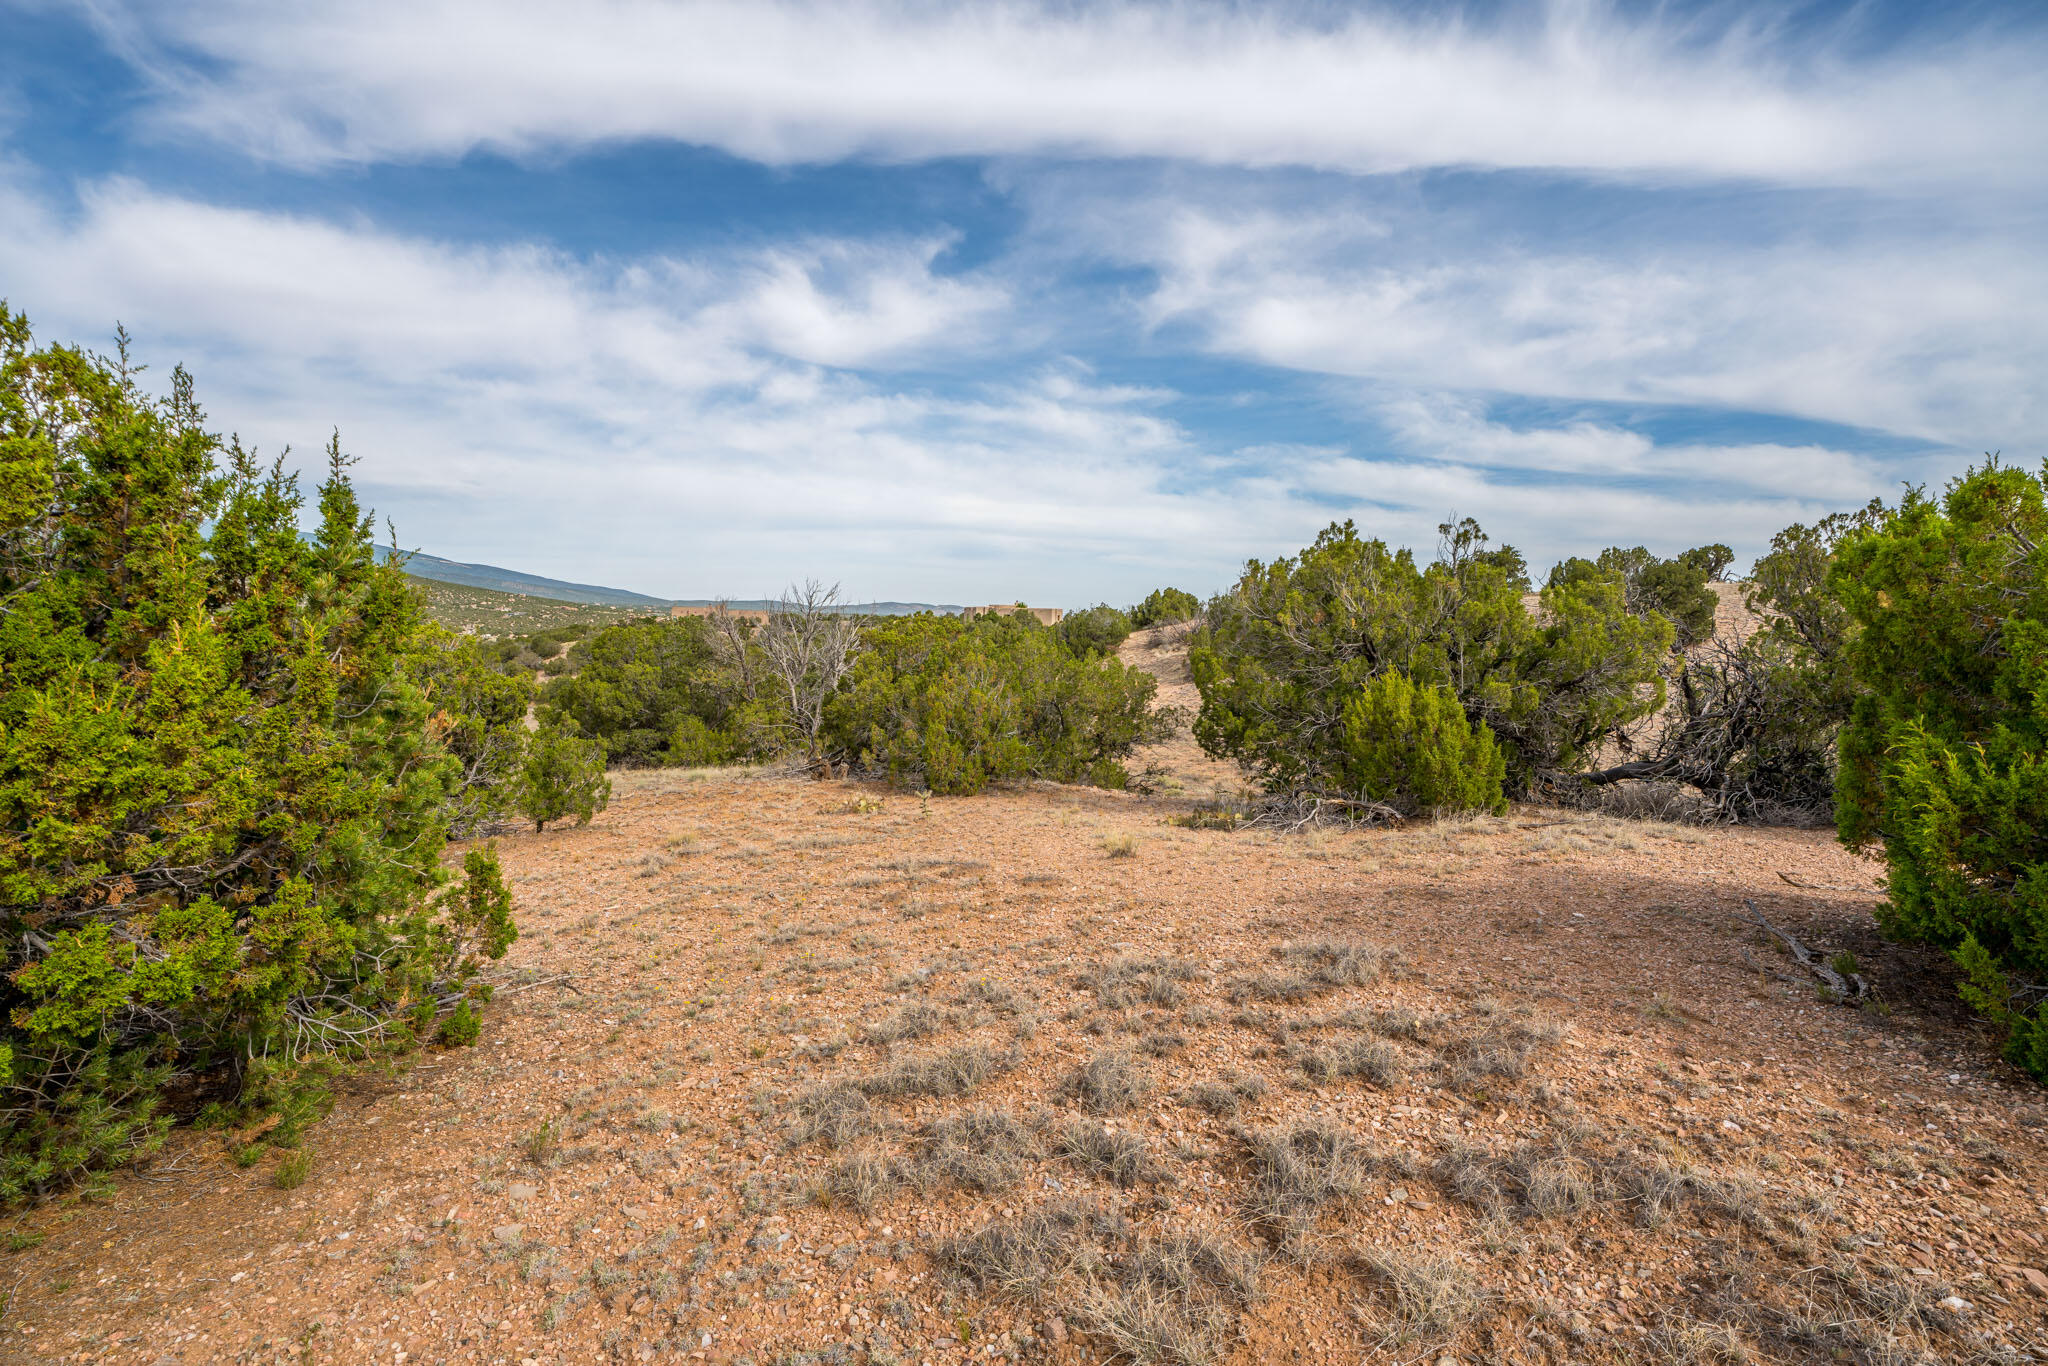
point(224, 787)
point(1945, 754)
point(1288, 653)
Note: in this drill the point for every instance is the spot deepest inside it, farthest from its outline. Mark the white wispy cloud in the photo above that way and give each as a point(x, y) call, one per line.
point(1939, 334)
point(719, 422)
point(1569, 83)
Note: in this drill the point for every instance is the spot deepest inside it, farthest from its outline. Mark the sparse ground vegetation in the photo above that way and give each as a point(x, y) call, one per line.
point(790, 1071)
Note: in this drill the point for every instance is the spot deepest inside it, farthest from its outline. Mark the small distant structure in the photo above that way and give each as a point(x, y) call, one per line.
point(1045, 616)
point(753, 614)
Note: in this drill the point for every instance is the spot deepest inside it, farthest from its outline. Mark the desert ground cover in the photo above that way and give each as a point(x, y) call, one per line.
point(787, 1070)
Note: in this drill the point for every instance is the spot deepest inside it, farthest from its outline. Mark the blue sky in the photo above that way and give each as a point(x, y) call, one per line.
point(1062, 300)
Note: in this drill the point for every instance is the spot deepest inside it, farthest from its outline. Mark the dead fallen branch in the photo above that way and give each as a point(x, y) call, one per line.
point(1846, 986)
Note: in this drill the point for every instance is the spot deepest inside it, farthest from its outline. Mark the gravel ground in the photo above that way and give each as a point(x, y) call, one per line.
point(791, 1068)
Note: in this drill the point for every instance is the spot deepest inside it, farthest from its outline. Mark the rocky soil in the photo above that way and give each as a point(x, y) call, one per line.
point(787, 1071)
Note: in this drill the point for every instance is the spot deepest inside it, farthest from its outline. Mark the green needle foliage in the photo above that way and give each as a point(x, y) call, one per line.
point(1163, 607)
point(957, 705)
point(1414, 749)
point(563, 775)
point(663, 692)
point(224, 789)
point(1945, 754)
point(1095, 630)
point(1288, 653)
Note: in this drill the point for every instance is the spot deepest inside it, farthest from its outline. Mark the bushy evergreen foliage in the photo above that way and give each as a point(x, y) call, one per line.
point(957, 705)
point(562, 775)
point(1675, 589)
point(480, 709)
point(1163, 607)
point(1097, 630)
point(1945, 754)
point(223, 792)
point(1290, 648)
point(659, 692)
point(1413, 749)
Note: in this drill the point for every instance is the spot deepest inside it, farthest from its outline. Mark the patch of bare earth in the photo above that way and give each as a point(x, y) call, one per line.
point(945, 1080)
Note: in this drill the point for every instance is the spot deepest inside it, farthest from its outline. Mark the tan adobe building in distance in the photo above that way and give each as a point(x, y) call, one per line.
point(753, 614)
point(1047, 616)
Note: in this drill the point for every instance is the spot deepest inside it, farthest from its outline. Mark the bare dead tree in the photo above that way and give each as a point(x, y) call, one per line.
point(731, 635)
point(806, 646)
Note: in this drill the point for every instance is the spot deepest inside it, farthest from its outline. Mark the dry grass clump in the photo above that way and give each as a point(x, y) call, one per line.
point(1224, 1098)
point(1338, 962)
point(979, 1149)
point(1107, 1083)
point(1127, 982)
point(1119, 846)
point(1175, 1302)
point(918, 1020)
point(1503, 1050)
point(861, 1180)
point(954, 1072)
point(1689, 1342)
point(998, 996)
point(1371, 1060)
point(1024, 1258)
point(1313, 967)
point(837, 1112)
point(1848, 1311)
point(1107, 1154)
point(1297, 1173)
point(1166, 1301)
point(1432, 1297)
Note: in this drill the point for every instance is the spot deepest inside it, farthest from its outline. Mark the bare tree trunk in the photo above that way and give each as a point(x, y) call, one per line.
point(807, 644)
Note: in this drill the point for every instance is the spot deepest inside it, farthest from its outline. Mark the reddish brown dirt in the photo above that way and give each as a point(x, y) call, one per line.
point(712, 946)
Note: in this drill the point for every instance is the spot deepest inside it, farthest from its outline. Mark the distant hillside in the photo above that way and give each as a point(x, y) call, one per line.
point(498, 580)
point(423, 566)
point(488, 612)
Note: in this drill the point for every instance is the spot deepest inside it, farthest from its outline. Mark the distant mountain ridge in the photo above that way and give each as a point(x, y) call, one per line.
point(424, 566)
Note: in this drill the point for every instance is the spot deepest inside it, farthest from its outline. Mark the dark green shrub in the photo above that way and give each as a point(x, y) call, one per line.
point(958, 705)
point(642, 686)
point(1945, 754)
point(1413, 749)
point(480, 712)
point(563, 775)
point(1097, 630)
point(223, 794)
point(1288, 649)
point(1675, 589)
point(1163, 607)
point(1712, 561)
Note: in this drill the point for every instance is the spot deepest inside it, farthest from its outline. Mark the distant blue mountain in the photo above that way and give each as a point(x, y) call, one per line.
point(424, 566)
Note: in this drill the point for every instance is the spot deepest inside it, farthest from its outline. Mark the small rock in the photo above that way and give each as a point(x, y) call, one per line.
point(1056, 1329)
point(520, 1190)
point(1956, 1304)
point(509, 1234)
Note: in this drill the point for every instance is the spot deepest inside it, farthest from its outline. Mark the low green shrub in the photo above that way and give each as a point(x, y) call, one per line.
point(1097, 630)
point(1286, 652)
point(563, 775)
point(1945, 754)
point(661, 692)
point(957, 705)
point(1414, 749)
point(1163, 607)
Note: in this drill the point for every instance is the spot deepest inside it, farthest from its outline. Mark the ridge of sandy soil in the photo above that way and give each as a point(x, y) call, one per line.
point(1567, 1020)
